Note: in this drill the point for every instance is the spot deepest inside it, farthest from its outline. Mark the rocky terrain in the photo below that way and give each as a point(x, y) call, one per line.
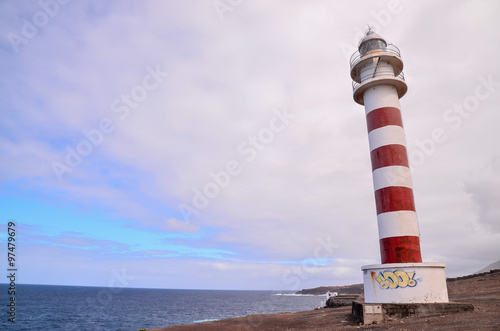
point(483, 291)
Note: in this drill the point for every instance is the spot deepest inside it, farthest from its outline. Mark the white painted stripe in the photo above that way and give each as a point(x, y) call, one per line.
point(381, 96)
point(392, 176)
point(397, 223)
point(387, 135)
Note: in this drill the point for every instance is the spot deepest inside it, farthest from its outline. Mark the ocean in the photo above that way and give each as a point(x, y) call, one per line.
point(50, 307)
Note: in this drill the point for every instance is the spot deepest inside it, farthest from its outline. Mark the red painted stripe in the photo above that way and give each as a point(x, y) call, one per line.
point(405, 249)
point(394, 198)
point(389, 155)
point(380, 117)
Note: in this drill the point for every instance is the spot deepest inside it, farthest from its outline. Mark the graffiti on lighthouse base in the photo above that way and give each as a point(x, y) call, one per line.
point(396, 279)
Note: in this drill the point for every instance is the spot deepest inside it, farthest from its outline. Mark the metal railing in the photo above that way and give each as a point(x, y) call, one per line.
point(374, 75)
point(389, 49)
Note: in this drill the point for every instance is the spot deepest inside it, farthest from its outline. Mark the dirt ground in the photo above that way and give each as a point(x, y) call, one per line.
point(481, 291)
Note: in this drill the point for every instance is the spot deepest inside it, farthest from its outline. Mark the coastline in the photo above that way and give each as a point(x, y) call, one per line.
point(483, 291)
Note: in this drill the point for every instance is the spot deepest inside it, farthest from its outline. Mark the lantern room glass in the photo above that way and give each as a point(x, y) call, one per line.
point(372, 45)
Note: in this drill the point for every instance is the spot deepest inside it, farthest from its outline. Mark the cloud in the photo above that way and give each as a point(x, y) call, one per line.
point(483, 186)
point(311, 181)
point(175, 225)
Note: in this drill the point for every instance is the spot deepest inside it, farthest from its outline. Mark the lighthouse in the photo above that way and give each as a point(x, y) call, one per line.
point(402, 277)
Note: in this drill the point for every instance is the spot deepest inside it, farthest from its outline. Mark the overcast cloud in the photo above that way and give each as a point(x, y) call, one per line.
point(215, 144)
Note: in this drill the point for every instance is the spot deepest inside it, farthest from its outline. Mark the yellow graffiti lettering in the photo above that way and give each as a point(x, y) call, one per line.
point(393, 279)
point(403, 278)
point(382, 281)
point(412, 282)
point(396, 279)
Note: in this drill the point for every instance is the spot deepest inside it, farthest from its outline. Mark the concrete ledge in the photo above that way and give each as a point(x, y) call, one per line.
point(369, 313)
point(421, 282)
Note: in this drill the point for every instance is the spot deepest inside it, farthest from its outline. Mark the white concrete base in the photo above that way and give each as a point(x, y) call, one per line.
point(405, 283)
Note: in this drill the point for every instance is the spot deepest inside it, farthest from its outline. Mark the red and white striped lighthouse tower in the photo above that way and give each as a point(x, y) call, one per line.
point(378, 84)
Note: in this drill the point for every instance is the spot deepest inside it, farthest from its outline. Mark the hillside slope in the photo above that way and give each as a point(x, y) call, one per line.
point(493, 266)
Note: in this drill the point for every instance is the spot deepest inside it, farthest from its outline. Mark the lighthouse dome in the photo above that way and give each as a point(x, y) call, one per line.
point(371, 42)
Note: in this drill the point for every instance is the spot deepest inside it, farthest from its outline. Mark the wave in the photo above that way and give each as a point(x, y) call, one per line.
point(206, 320)
point(299, 295)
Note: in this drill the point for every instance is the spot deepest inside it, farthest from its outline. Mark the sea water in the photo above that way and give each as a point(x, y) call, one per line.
point(49, 307)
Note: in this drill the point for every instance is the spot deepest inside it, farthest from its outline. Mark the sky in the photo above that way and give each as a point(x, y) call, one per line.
point(216, 145)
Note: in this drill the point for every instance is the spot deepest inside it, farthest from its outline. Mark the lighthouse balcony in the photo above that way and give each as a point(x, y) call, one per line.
point(369, 77)
point(389, 54)
point(390, 48)
point(377, 72)
point(377, 78)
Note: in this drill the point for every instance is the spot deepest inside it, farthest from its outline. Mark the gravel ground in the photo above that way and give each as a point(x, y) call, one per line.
point(481, 291)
